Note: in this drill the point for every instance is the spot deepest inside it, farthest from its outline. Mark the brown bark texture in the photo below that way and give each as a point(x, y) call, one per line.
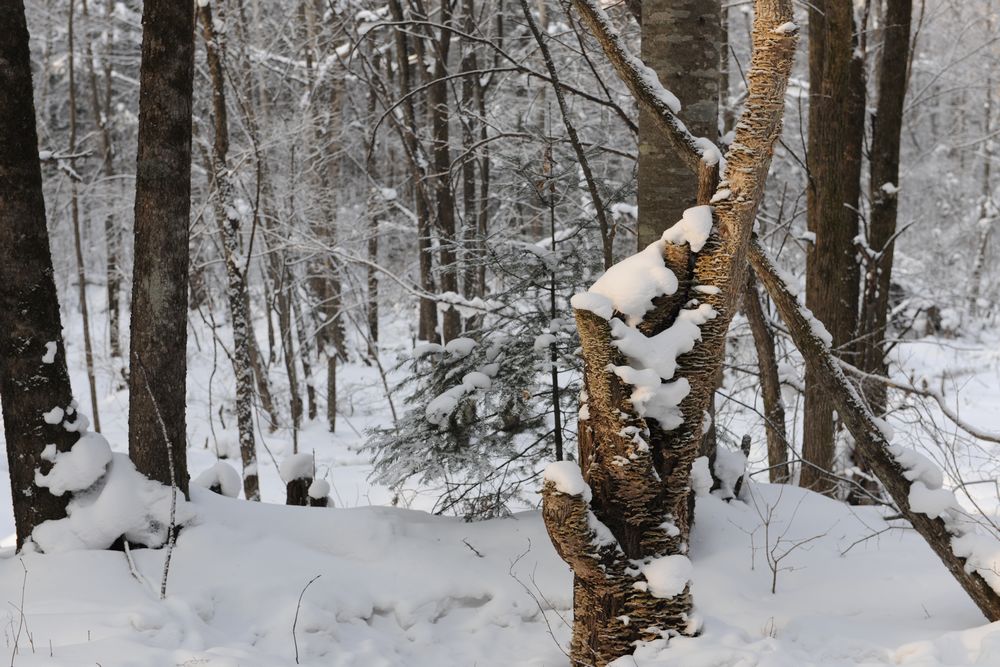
point(887, 125)
point(639, 473)
point(162, 208)
point(770, 385)
point(836, 131)
point(30, 326)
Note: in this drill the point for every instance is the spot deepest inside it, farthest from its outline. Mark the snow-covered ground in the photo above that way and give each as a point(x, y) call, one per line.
point(398, 586)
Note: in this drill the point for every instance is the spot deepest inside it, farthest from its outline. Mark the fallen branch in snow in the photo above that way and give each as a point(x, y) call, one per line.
point(870, 441)
point(295, 621)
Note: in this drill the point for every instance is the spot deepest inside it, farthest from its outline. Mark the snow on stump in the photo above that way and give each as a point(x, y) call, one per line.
point(221, 478)
point(298, 472)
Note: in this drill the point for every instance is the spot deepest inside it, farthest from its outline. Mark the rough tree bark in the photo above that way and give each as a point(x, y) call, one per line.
point(162, 208)
point(836, 131)
point(637, 470)
point(33, 377)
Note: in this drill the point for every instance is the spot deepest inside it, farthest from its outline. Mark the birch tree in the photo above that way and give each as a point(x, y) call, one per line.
point(653, 331)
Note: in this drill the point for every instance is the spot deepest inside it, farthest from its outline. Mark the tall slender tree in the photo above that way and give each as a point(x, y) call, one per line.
point(158, 326)
point(836, 131)
point(34, 383)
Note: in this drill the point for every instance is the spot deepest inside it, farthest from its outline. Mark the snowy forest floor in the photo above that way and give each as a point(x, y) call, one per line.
point(402, 587)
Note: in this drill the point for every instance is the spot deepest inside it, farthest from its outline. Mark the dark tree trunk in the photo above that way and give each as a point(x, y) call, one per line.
point(437, 98)
point(162, 209)
point(887, 125)
point(427, 325)
point(770, 385)
point(836, 130)
point(33, 376)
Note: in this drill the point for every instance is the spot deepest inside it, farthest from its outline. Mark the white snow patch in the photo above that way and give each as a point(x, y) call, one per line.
point(319, 489)
point(79, 468)
point(460, 347)
point(701, 476)
point(693, 228)
point(296, 466)
point(594, 302)
point(667, 576)
point(224, 476)
point(633, 283)
point(568, 479)
point(50, 352)
point(54, 416)
point(123, 502)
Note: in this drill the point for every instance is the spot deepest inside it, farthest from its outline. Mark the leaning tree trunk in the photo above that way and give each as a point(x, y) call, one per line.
point(158, 329)
point(869, 438)
point(34, 385)
point(625, 531)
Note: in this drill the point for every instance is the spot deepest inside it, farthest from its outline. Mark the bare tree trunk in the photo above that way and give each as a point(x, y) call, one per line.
point(112, 230)
point(770, 385)
point(987, 207)
point(427, 329)
point(645, 505)
point(437, 99)
point(162, 210)
point(81, 272)
point(34, 382)
point(887, 126)
point(836, 130)
point(680, 42)
point(228, 220)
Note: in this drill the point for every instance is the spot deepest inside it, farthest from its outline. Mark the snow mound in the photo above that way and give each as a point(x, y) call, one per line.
point(123, 502)
point(223, 476)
